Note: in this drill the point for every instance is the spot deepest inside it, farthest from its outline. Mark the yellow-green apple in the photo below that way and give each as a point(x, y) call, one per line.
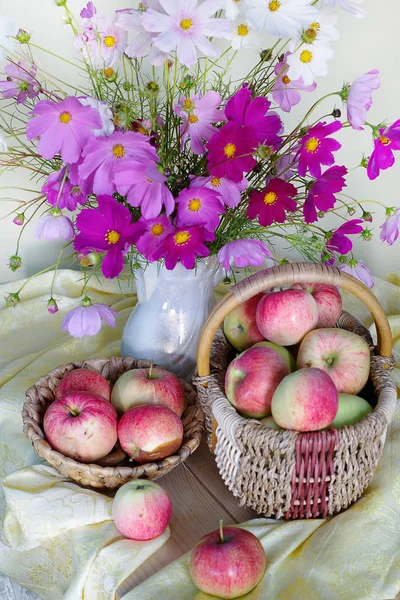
point(252, 377)
point(83, 380)
point(271, 423)
point(150, 432)
point(228, 562)
point(344, 355)
point(285, 317)
point(141, 510)
point(81, 425)
point(351, 409)
point(148, 386)
point(240, 325)
point(306, 400)
point(328, 299)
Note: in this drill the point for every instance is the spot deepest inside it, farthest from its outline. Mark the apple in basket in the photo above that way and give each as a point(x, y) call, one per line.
point(328, 299)
point(351, 409)
point(285, 317)
point(228, 563)
point(344, 355)
point(141, 510)
point(81, 425)
point(240, 325)
point(83, 380)
point(148, 386)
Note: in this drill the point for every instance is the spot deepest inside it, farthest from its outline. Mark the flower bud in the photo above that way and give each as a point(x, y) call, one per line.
point(266, 55)
point(52, 306)
point(351, 211)
point(343, 259)
point(19, 219)
point(364, 162)
point(12, 300)
point(110, 75)
point(366, 235)
point(366, 216)
point(88, 260)
point(66, 19)
point(86, 301)
point(227, 280)
point(264, 152)
point(284, 261)
point(326, 256)
point(153, 89)
point(321, 214)
point(15, 263)
point(167, 172)
point(60, 2)
point(353, 263)
point(23, 36)
point(127, 86)
point(336, 113)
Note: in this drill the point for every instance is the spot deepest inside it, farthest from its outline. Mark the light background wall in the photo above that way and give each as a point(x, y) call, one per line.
point(373, 42)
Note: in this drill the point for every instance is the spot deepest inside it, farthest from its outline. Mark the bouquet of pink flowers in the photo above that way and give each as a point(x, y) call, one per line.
point(160, 155)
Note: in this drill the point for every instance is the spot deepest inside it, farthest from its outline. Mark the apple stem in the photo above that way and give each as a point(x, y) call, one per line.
point(221, 531)
point(151, 369)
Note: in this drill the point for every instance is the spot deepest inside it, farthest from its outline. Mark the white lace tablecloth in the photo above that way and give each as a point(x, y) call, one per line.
point(12, 591)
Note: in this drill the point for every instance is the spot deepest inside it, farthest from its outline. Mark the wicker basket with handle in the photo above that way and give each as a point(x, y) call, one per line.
point(114, 470)
point(287, 474)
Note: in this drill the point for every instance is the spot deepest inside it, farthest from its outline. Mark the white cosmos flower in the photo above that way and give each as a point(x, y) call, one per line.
point(8, 28)
point(351, 6)
point(244, 36)
point(105, 113)
point(233, 8)
point(141, 42)
point(281, 18)
point(309, 62)
point(3, 143)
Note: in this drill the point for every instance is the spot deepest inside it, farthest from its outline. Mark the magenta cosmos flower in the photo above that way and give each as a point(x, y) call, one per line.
point(101, 156)
point(152, 233)
point(357, 269)
point(20, 83)
point(144, 186)
point(199, 206)
point(339, 242)
point(63, 127)
point(198, 114)
point(184, 244)
point(272, 203)
point(321, 194)
point(87, 319)
point(382, 156)
point(243, 253)
point(316, 148)
point(229, 191)
point(231, 150)
point(286, 92)
point(108, 229)
point(359, 98)
point(54, 226)
point(61, 193)
point(390, 228)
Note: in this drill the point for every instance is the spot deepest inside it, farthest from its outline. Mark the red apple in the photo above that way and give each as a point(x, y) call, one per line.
point(328, 299)
point(285, 317)
point(306, 400)
point(83, 380)
point(344, 355)
point(148, 386)
point(141, 510)
point(252, 377)
point(228, 563)
point(150, 432)
point(240, 325)
point(81, 425)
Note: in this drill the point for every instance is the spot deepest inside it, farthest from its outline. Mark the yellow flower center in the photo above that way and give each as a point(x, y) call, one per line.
point(188, 104)
point(65, 118)
point(312, 144)
point(194, 205)
point(270, 198)
point(186, 24)
point(384, 140)
point(230, 150)
point(157, 229)
point(112, 237)
point(285, 79)
point(182, 238)
point(306, 56)
point(142, 131)
point(243, 30)
point(193, 119)
point(274, 5)
point(215, 182)
point(315, 26)
point(110, 41)
point(109, 72)
point(118, 151)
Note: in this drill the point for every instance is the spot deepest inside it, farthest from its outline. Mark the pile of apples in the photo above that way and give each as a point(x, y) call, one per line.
point(143, 411)
point(296, 371)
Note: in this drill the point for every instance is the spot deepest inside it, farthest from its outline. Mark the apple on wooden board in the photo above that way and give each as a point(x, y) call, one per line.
point(344, 355)
point(306, 400)
point(351, 409)
point(81, 425)
point(240, 325)
point(141, 510)
point(148, 386)
point(150, 432)
point(252, 377)
point(328, 299)
point(228, 563)
point(83, 380)
point(285, 317)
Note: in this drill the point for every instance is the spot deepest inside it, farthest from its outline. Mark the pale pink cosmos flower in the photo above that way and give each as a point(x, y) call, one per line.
point(359, 98)
point(141, 42)
point(54, 226)
point(87, 319)
point(102, 41)
point(390, 228)
point(357, 269)
point(243, 253)
point(351, 6)
point(229, 191)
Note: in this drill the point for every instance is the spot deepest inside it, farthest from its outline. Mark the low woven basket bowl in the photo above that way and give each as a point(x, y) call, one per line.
point(115, 469)
point(287, 474)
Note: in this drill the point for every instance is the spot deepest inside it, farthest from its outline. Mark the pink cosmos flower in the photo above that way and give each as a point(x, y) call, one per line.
point(144, 186)
point(286, 92)
point(101, 156)
point(184, 244)
point(102, 41)
point(108, 229)
point(321, 194)
point(87, 319)
point(54, 226)
point(184, 26)
point(20, 83)
point(198, 114)
point(229, 191)
point(243, 253)
point(382, 156)
point(62, 195)
point(316, 148)
point(152, 233)
point(63, 127)
point(130, 20)
point(390, 228)
point(89, 11)
point(338, 241)
point(272, 203)
point(359, 98)
point(285, 167)
point(199, 206)
point(230, 151)
point(357, 269)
